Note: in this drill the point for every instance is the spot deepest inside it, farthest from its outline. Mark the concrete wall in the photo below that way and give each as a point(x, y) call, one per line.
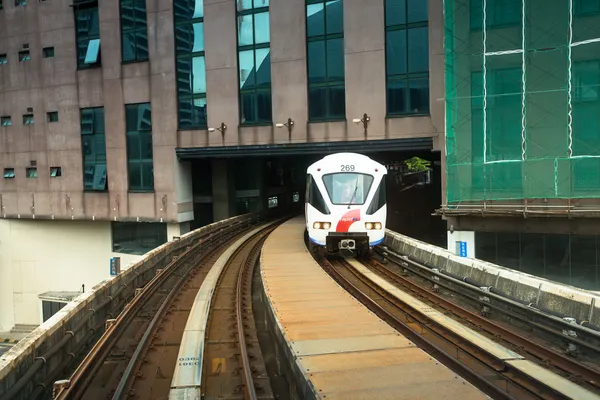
point(20, 357)
point(560, 298)
point(42, 256)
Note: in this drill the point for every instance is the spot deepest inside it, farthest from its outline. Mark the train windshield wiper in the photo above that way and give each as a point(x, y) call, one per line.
point(354, 193)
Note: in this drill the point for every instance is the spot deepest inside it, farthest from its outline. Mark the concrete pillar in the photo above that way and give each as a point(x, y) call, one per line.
point(223, 190)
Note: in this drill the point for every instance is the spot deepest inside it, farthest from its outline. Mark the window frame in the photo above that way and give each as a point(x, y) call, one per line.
point(254, 47)
point(46, 52)
point(50, 115)
point(29, 119)
point(5, 121)
point(124, 31)
point(31, 172)
point(55, 172)
point(87, 6)
point(328, 85)
point(407, 77)
point(97, 138)
point(191, 97)
point(9, 173)
point(141, 162)
point(24, 55)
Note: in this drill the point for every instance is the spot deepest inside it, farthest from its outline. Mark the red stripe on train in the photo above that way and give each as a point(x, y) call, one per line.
point(347, 219)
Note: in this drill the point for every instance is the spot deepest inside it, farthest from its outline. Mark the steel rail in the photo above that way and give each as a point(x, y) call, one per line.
point(528, 385)
point(404, 327)
point(83, 375)
point(558, 360)
point(513, 308)
point(250, 390)
point(126, 382)
point(134, 361)
point(249, 381)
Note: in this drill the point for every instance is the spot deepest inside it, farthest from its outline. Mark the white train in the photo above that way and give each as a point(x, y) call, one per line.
point(345, 203)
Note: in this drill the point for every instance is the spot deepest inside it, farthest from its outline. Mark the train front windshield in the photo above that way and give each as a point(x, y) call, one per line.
point(346, 188)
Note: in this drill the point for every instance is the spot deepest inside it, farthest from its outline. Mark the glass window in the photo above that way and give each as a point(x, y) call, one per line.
point(254, 62)
point(316, 62)
point(138, 127)
point(5, 121)
point(317, 103)
point(325, 53)
point(93, 148)
point(31, 172)
point(510, 251)
point(334, 18)
point(396, 97)
point(9, 173)
point(314, 196)
point(407, 57)
point(137, 237)
point(134, 31)
point(315, 24)
point(395, 12)
point(347, 188)
point(48, 52)
point(584, 261)
point(396, 53)
point(190, 64)
point(419, 95)
point(3, 59)
point(87, 31)
point(52, 116)
point(24, 56)
point(379, 198)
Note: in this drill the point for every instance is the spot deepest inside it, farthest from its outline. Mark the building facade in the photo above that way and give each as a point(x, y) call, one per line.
point(103, 102)
point(523, 134)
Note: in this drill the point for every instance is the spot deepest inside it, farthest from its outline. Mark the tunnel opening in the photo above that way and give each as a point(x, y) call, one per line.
point(225, 185)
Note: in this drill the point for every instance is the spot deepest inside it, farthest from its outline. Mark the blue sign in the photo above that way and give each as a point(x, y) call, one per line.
point(463, 249)
point(115, 266)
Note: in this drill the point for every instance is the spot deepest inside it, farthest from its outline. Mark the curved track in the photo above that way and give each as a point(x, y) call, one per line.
point(541, 353)
point(137, 355)
point(500, 372)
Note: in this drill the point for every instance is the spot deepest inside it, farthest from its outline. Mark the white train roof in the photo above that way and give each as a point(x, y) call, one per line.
point(328, 160)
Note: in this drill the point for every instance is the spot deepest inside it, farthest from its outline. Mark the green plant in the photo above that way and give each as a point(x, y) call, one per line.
point(417, 164)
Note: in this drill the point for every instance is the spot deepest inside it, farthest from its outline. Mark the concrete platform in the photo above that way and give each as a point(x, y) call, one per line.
point(338, 349)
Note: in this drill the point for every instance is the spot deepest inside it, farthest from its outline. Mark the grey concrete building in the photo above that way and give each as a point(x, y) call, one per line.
point(125, 123)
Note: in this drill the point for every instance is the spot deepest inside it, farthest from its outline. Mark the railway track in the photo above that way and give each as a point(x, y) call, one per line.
point(138, 353)
point(575, 340)
point(231, 343)
point(540, 352)
point(497, 371)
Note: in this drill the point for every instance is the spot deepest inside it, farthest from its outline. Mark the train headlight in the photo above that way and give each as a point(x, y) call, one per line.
point(322, 225)
point(373, 225)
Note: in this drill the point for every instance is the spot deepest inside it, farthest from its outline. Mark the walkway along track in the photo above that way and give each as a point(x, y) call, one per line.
point(542, 353)
point(499, 372)
point(138, 351)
